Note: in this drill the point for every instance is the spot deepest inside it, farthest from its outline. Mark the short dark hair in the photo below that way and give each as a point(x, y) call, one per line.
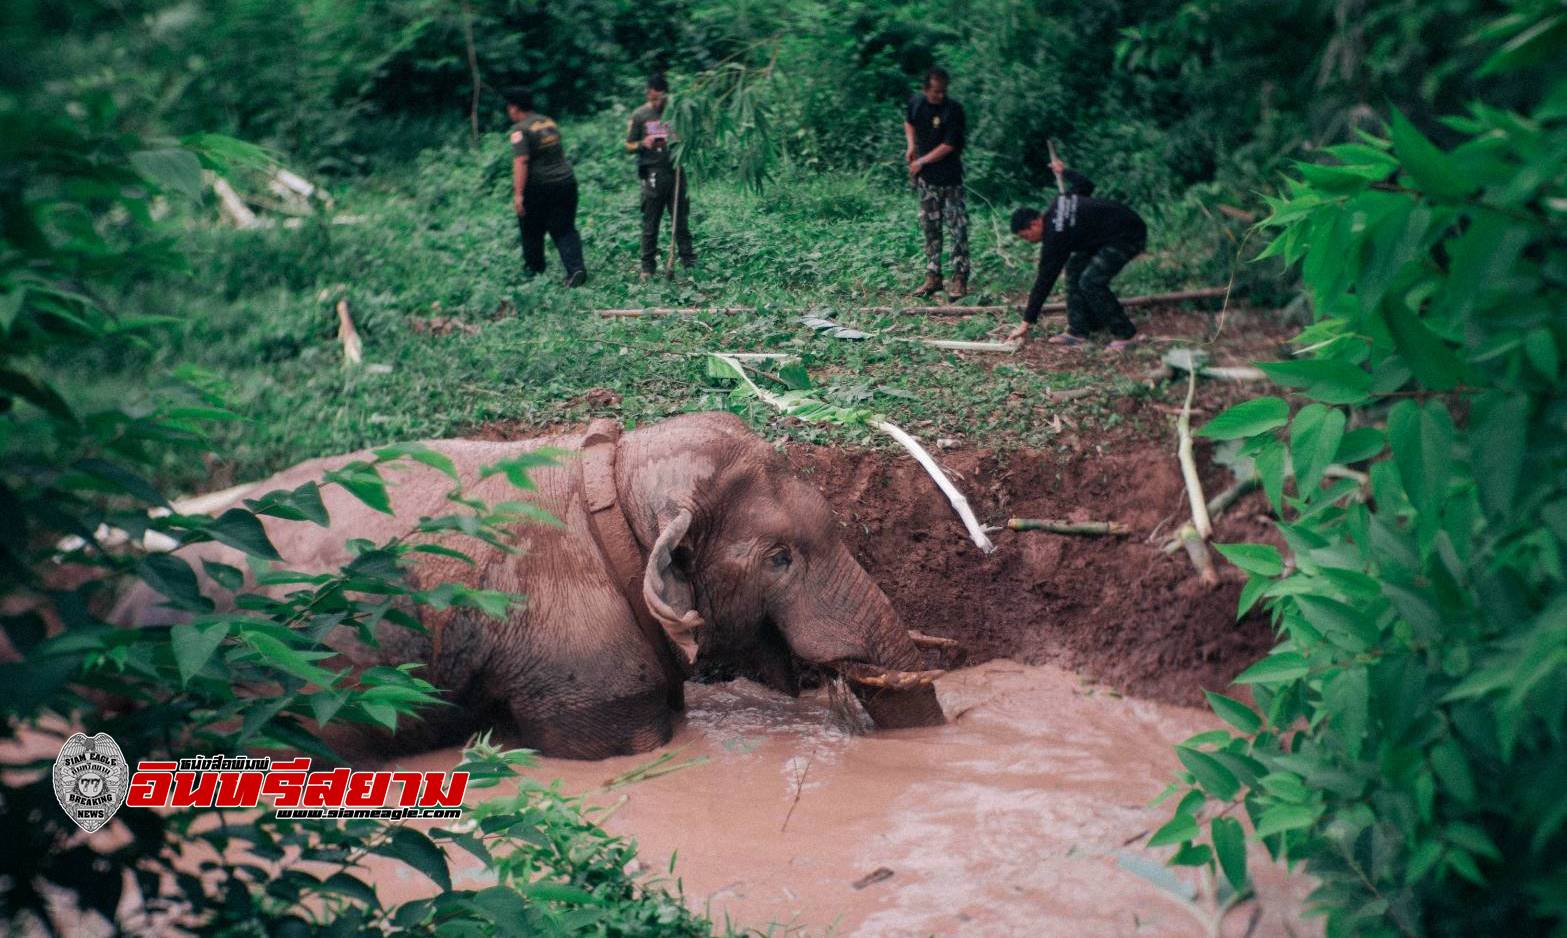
point(657, 82)
point(1022, 218)
point(519, 97)
point(937, 73)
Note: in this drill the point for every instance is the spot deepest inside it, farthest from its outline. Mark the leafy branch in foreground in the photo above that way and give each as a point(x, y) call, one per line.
point(244, 658)
point(1407, 738)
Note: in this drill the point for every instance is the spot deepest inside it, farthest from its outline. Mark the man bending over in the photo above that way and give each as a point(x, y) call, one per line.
point(1093, 239)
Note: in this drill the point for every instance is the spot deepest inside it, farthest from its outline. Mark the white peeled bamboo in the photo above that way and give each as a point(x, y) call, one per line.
point(353, 348)
point(1200, 520)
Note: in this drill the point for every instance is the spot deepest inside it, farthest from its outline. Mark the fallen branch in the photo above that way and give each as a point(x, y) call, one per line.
point(958, 345)
point(1218, 505)
point(352, 347)
point(1151, 299)
point(1183, 427)
point(1112, 528)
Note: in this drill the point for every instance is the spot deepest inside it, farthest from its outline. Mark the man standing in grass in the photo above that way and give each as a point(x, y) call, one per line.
point(1093, 239)
point(934, 127)
point(663, 185)
point(543, 189)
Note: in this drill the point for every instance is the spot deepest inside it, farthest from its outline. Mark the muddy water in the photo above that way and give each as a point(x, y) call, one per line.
point(1011, 820)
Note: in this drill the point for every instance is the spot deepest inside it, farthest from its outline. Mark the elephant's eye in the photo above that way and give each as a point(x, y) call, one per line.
point(780, 558)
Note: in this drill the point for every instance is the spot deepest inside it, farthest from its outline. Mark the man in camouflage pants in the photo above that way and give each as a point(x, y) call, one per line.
point(934, 127)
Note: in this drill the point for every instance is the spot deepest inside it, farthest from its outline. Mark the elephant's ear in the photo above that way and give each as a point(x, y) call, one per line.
point(666, 588)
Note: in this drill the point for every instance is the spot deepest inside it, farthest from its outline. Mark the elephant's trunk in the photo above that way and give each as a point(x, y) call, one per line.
point(842, 619)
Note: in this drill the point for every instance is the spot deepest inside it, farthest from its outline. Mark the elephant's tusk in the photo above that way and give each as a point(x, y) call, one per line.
point(921, 640)
point(871, 676)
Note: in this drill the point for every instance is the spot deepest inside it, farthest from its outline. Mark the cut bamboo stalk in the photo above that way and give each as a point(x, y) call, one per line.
point(232, 205)
point(352, 347)
point(958, 345)
point(959, 503)
point(1152, 299)
point(1218, 505)
point(923, 457)
point(1197, 549)
point(1113, 528)
point(1183, 427)
point(1234, 373)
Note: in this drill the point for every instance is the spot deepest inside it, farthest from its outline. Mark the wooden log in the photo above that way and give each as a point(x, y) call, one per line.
point(1151, 299)
point(1112, 528)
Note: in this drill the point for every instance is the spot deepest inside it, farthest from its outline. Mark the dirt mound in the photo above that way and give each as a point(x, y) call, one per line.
point(1116, 609)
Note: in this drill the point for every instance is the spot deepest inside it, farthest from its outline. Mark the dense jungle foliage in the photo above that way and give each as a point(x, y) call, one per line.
point(1410, 724)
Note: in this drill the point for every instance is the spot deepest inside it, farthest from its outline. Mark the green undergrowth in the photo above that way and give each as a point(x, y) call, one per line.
point(435, 238)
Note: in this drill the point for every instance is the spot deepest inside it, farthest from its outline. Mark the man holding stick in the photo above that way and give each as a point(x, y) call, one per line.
point(1092, 239)
point(663, 184)
point(934, 127)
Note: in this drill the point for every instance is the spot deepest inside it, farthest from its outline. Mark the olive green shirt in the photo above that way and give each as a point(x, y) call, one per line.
point(537, 138)
point(655, 157)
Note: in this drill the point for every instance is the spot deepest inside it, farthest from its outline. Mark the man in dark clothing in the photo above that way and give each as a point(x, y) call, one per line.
point(663, 185)
point(1093, 239)
point(934, 127)
point(544, 189)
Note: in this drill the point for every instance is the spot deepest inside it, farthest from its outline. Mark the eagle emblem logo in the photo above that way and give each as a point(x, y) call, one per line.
point(91, 779)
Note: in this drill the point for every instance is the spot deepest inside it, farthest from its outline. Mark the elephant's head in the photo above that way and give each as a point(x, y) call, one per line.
point(746, 559)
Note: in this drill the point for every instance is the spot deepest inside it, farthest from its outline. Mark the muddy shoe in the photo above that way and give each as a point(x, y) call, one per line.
point(931, 288)
point(959, 288)
point(1122, 344)
point(1066, 338)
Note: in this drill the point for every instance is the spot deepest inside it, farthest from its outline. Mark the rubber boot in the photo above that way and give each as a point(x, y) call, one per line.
point(931, 288)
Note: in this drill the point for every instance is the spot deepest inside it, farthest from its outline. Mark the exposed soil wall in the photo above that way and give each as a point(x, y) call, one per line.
point(1114, 608)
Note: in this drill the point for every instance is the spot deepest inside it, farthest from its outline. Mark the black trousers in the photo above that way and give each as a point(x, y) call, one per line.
point(1090, 303)
point(550, 208)
point(660, 195)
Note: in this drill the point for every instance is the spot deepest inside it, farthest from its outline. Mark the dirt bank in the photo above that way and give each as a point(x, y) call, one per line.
point(1116, 608)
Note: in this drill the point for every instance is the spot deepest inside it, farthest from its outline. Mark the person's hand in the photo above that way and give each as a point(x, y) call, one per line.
point(516, 204)
point(1020, 334)
point(908, 155)
point(915, 166)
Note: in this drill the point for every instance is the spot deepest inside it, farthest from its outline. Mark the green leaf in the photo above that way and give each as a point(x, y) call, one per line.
point(1315, 434)
point(361, 480)
point(1259, 559)
point(1234, 712)
point(173, 577)
point(1325, 379)
point(419, 453)
point(230, 578)
point(170, 168)
point(1248, 418)
point(1229, 842)
point(194, 645)
point(1284, 817)
point(414, 848)
point(1360, 444)
point(1179, 829)
point(242, 531)
point(1498, 440)
point(1215, 779)
point(1435, 172)
point(127, 481)
point(1270, 469)
point(1277, 668)
point(1426, 355)
point(352, 887)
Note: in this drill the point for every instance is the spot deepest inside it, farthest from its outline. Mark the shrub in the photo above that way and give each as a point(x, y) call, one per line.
point(1407, 742)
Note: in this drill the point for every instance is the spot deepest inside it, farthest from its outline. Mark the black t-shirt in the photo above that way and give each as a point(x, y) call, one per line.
point(1081, 223)
point(935, 124)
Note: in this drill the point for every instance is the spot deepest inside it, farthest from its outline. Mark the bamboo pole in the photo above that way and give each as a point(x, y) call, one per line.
point(1218, 505)
point(1183, 428)
point(1197, 549)
point(1113, 528)
point(1151, 299)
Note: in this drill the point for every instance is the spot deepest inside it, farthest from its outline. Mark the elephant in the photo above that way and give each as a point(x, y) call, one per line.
point(686, 536)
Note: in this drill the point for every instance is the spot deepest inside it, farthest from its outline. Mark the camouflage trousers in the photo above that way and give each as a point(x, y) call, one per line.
point(938, 205)
point(1090, 303)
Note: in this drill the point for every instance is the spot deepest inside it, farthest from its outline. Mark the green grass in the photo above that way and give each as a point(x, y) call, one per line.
point(439, 239)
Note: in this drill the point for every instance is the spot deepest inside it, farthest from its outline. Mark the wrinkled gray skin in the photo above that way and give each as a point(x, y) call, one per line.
point(739, 554)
